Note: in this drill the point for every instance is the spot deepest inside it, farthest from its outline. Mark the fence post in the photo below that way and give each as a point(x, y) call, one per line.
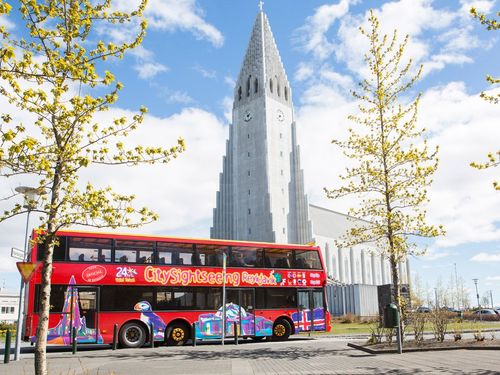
point(152, 335)
point(235, 333)
point(115, 336)
point(6, 353)
point(73, 341)
point(193, 333)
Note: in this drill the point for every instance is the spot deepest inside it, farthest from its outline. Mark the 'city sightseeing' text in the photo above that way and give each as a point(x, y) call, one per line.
point(178, 276)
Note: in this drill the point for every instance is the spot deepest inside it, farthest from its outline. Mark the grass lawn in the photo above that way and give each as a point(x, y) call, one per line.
point(364, 328)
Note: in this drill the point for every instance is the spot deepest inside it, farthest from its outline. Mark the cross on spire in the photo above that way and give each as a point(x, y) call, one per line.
point(261, 5)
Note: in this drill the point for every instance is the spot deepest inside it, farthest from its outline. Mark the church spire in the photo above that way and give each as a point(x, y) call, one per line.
point(262, 69)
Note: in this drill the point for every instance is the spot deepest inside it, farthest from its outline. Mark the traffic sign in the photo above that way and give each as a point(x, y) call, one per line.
point(17, 253)
point(26, 269)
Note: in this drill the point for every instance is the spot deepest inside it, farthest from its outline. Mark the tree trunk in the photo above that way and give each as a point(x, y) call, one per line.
point(45, 287)
point(396, 290)
point(43, 313)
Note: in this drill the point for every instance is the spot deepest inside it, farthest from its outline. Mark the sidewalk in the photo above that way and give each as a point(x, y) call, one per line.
point(300, 356)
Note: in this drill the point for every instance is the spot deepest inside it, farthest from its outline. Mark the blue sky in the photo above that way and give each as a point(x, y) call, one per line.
point(185, 71)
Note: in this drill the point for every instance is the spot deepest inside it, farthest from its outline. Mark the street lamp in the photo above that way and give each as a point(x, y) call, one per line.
point(30, 194)
point(477, 295)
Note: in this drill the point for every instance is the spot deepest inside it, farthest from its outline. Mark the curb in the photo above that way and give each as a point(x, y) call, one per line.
point(411, 350)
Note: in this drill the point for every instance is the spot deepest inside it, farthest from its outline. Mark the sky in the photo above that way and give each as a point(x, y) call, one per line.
point(185, 70)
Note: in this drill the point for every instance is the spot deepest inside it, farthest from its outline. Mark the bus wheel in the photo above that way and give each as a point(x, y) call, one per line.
point(132, 335)
point(177, 334)
point(281, 330)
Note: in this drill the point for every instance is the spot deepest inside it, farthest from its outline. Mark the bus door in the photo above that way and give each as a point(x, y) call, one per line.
point(86, 314)
point(240, 308)
point(311, 314)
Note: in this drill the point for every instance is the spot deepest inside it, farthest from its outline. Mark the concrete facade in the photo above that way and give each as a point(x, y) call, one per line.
point(9, 304)
point(360, 264)
point(261, 195)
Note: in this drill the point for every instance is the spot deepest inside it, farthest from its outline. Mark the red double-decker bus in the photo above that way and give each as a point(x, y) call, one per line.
point(165, 284)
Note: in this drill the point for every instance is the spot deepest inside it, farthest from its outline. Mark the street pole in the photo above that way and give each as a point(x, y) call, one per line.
point(223, 296)
point(456, 287)
point(30, 195)
point(436, 298)
point(20, 310)
point(491, 299)
point(477, 296)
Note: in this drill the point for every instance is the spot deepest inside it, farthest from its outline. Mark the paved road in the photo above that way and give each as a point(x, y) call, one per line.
point(300, 356)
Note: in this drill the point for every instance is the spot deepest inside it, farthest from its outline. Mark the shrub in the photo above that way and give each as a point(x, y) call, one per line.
point(439, 319)
point(349, 318)
point(376, 331)
point(418, 320)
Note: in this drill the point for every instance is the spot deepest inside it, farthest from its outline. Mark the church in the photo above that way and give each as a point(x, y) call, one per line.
point(261, 195)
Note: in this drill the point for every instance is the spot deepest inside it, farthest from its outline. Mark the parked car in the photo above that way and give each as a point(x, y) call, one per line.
point(486, 312)
point(423, 309)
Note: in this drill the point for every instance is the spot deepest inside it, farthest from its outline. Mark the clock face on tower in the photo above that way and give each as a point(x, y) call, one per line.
point(280, 115)
point(247, 116)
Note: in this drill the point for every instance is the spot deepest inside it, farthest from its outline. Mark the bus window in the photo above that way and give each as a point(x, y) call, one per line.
point(134, 251)
point(84, 249)
point(175, 253)
point(281, 298)
point(175, 298)
point(210, 255)
point(278, 258)
point(318, 298)
point(307, 259)
point(59, 253)
point(118, 298)
point(245, 257)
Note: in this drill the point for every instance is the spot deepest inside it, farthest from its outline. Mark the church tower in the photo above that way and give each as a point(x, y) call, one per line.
point(261, 195)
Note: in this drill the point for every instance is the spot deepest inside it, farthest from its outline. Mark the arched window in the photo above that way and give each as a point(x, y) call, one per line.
point(278, 87)
point(286, 93)
point(271, 84)
point(239, 93)
point(248, 85)
point(256, 85)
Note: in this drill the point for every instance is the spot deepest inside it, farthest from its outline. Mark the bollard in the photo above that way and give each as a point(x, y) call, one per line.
point(73, 342)
point(235, 333)
point(193, 333)
point(115, 336)
point(152, 335)
point(6, 353)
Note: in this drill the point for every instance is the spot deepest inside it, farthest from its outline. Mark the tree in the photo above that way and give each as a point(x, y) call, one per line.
point(55, 74)
point(493, 158)
point(391, 172)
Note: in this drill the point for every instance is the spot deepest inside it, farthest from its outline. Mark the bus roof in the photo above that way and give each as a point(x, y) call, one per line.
point(184, 239)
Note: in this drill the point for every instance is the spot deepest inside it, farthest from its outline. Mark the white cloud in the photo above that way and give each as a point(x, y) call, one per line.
point(304, 71)
point(229, 81)
point(227, 104)
point(462, 124)
point(433, 254)
point(493, 278)
point(312, 36)
point(180, 97)
point(149, 69)
point(184, 15)
point(438, 36)
point(164, 15)
point(206, 73)
point(486, 257)
point(4, 21)
point(181, 192)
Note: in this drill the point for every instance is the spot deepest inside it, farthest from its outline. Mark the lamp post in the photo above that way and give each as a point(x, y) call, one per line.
point(477, 296)
point(30, 194)
point(436, 298)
